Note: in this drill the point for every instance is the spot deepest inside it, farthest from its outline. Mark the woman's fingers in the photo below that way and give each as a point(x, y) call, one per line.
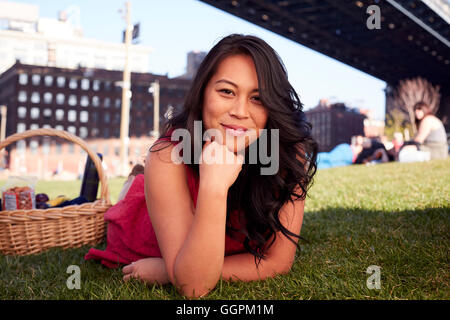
point(128, 277)
point(128, 269)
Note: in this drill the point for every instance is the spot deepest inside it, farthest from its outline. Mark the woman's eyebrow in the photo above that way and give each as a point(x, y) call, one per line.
point(232, 83)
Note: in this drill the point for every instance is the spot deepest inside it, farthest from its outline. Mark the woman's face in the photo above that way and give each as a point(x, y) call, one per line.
point(231, 103)
point(419, 114)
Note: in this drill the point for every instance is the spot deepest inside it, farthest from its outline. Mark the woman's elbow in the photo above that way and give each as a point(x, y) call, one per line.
point(282, 267)
point(193, 287)
point(193, 292)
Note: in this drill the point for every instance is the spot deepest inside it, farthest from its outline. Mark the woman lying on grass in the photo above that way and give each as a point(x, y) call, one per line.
point(223, 216)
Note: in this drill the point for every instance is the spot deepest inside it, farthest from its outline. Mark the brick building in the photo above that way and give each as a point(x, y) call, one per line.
point(85, 102)
point(333, 124)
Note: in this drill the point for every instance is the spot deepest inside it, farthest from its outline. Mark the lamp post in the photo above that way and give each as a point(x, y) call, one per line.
point(126, 95)
point(3, 124)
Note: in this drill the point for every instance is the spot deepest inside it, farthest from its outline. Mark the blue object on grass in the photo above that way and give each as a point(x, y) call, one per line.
point(341, 155)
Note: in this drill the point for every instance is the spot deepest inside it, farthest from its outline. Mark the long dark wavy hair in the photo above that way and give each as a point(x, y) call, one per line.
point(257, 197)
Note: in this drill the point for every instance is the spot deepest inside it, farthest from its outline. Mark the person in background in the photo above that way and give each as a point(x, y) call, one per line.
point(398, 143)
point(137, 169)
point(343, 154)
point(373, 151)
point(431, 133)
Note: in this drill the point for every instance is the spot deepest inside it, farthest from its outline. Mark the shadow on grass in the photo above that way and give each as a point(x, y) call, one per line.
point(410, 247)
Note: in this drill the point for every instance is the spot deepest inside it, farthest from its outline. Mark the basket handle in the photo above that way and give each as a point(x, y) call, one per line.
point(104, 193)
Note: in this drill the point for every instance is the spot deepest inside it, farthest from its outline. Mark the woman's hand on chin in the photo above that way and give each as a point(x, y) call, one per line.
point(149, 270)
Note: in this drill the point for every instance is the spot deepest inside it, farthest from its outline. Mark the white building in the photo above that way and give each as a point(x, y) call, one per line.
point(59, 42)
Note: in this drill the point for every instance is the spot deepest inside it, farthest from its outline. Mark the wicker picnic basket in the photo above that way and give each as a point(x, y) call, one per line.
point(24, 232)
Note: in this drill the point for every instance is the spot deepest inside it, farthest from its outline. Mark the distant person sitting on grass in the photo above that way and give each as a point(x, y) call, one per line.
point(430, 142)
point(190, 223)
point(431, 133)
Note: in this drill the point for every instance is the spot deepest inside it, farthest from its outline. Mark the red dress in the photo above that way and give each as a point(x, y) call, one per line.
point(130, 235)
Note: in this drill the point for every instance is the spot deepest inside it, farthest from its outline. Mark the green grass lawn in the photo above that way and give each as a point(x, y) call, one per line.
point(395, 216)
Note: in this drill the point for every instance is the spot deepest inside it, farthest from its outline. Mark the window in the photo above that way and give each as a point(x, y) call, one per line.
point(34, 113)
point(48, 80)
point(58, 147)
point(21, 146)
point(83, 132)
point(35, 98)
point(22, 97)
point(137, 104)
point(23, 78)
point(60, 82)
point(84, 101)
point(60, 97)
point(107, 85)
point(107, 117)
point(95, 85)
point(95, 101)
point(72, 100)
point(84, 116)
point(46, 146)
point(59, 114)
point(35, 79)
point(94, 133)
point(118, 103)
point(73, 83)
point(22, 112)
point(106, 133)
point(21, 127)
point(47, 113)
point(94, 116)
point(107, 102)
point(48, 97)
point(59, 127)
point(34, 126)
point(72, 129)
point(71, 148)
point(34, 146)
point(72, 116)
point(85, 84)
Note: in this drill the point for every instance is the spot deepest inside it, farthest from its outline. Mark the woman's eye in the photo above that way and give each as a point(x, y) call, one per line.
point(257, 99)
point(226, 91)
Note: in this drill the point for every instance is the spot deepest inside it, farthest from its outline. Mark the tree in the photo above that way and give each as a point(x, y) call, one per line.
point(411, 91)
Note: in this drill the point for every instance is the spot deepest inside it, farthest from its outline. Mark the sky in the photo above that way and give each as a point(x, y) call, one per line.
point(175, 27)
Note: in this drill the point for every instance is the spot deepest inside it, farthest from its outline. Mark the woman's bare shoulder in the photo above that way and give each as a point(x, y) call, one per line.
point(161, 160)
point(162, 174)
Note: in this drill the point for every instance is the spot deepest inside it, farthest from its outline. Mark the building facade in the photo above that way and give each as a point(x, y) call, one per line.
point(87, 103)
point(30, 39)
point(334, 124)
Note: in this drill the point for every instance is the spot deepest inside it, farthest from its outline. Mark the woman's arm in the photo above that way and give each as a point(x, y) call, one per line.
point(192, 245)
point(424, 130)
point(238, 267)
point(199, 262)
